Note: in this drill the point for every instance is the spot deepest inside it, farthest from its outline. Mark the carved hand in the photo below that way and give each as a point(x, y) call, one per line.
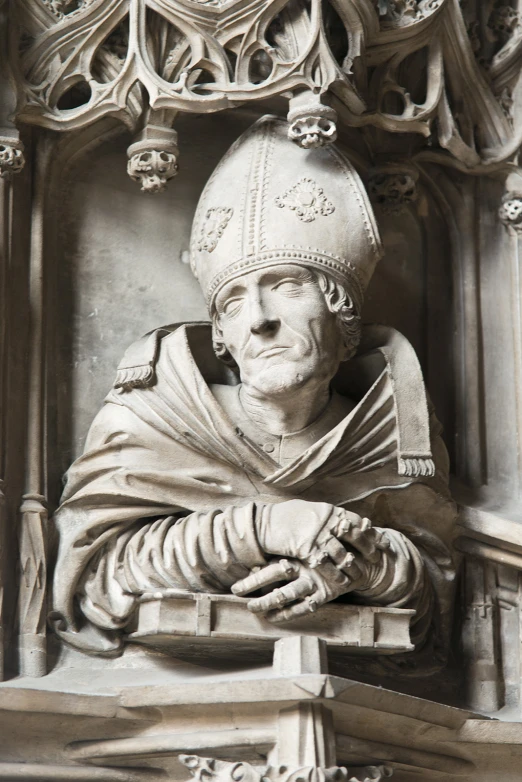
point(300, 530)
point(326, 570)
point(360, 535)
point(307, 588)
point(314, 532)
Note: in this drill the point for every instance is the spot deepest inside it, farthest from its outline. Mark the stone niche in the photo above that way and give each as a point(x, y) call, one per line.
point(423, 100)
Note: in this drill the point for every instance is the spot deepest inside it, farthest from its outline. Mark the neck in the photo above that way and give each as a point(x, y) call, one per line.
point(285, 415)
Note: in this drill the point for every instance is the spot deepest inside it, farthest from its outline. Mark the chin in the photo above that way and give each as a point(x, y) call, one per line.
point(279, 380)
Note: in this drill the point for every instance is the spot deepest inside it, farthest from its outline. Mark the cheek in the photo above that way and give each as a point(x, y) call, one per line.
point(312, 317)
point(302, 312)
point(226, 336)
point(233, 333)
point(326, 337)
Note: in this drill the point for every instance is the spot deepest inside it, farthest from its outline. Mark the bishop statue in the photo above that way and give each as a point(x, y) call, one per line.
point(281, 451)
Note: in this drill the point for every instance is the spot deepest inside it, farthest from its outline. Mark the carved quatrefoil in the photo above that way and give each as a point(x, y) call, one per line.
point(307, 200)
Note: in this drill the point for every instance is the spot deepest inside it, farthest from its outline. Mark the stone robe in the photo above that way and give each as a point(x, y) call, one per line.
point(164, 450)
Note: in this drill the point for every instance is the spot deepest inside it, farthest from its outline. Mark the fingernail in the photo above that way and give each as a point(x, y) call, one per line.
point(345, 526)
point(317, 559)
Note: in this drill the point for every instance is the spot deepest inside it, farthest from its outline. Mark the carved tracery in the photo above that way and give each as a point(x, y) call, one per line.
point(79, 61)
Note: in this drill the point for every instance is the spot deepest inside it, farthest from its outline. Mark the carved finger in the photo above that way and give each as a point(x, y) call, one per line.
point(304, 608)
point(282, 596)
point(382, 542)
point(345, 519)
point(352, 570)
point(349, 522)
point(283, 570)
point(338, 554)
point(331, 549)
point(364, 538)
point(332, 581)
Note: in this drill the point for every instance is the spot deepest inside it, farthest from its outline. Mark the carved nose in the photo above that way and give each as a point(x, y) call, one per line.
point(264, 325)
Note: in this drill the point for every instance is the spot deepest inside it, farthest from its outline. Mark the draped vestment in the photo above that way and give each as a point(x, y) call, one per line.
point(168, 449)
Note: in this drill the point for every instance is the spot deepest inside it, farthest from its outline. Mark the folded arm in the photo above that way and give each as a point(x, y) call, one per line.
point(325, 552)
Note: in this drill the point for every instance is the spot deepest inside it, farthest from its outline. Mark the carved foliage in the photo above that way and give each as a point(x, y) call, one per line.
point(503, 20)
point(393, 190)
point(211, 770)
point(152, 168)
point(510, 211)
point(312, 125)
point(11, 158)
point(312, 131)
point(398, 12)
point(496, 39)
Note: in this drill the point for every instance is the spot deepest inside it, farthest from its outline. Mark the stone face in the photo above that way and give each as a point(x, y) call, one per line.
point(261, 519)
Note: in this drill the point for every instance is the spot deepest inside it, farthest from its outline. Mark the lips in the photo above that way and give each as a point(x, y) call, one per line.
point(274, 350)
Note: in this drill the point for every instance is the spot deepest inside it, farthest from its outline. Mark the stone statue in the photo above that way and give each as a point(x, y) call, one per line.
point(283, 442)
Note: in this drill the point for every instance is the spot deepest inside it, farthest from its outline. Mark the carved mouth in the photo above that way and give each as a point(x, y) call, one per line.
point(272, 351)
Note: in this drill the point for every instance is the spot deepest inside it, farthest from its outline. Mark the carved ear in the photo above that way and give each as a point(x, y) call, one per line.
point(217, 334)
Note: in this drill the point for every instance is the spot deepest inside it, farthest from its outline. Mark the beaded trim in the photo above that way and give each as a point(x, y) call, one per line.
point(342, 270)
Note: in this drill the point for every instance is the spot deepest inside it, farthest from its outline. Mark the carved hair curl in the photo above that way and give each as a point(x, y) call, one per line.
point(338, 301)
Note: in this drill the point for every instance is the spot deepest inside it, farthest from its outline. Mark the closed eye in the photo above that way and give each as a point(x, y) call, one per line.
point(232, 306)
point(288, 287)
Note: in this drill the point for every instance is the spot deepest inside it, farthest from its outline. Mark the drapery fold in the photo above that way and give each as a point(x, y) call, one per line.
point(169, 449)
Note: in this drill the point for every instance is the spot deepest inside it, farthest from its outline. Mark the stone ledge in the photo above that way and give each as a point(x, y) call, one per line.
point(499, 530)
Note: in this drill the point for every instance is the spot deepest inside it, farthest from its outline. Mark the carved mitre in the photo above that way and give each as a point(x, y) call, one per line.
point(270, 202)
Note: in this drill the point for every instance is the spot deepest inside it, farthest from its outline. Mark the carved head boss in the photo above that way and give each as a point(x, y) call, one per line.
point(272, 210)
